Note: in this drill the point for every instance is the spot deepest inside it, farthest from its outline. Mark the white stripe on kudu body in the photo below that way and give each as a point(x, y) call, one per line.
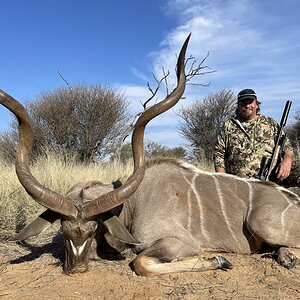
point(200, 208)
point(224, 210)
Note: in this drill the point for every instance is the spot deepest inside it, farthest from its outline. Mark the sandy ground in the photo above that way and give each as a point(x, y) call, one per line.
point(36, 273)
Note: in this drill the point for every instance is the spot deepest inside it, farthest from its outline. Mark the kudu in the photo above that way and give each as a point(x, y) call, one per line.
point(168, 211)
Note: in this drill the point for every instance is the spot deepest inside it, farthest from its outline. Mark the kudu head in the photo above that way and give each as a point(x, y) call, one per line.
point(79, 220)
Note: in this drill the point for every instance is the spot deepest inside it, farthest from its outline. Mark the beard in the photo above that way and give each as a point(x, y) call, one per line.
point(247, 113)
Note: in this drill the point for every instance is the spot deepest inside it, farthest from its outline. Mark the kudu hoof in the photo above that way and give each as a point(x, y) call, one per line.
point(223, 263)
point(286, 258)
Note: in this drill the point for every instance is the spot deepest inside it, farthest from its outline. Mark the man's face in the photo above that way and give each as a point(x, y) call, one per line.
point(247, 109)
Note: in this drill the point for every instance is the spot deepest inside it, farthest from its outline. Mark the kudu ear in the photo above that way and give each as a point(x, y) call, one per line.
point(41, 223)
point(119, 231)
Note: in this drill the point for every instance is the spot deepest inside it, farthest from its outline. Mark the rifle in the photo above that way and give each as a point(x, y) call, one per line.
point(268, 165)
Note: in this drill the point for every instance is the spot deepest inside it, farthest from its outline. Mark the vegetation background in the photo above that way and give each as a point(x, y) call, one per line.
point(73, 136)
point(31, 270)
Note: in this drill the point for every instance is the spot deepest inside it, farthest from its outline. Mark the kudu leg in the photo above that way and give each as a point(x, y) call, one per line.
point(277, 226)
point(148, 266)
point(159, 259)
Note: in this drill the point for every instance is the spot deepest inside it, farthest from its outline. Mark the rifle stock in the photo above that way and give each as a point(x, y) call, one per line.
point(268, 165)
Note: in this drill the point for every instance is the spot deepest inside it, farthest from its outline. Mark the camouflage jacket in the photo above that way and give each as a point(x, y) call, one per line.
point(241, 145)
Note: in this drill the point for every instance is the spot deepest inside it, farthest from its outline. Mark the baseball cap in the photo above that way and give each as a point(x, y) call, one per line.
point(246, 94)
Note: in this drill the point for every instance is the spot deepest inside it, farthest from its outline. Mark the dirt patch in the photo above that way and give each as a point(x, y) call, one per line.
point(36, 273)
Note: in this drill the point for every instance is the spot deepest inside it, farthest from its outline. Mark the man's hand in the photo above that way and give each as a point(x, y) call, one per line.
point(285, 166)
point(220, 170)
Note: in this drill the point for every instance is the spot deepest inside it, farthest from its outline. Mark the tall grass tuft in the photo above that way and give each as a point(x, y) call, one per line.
point(53, 171)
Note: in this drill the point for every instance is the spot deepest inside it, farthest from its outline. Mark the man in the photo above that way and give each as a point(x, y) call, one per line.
point(246, 138)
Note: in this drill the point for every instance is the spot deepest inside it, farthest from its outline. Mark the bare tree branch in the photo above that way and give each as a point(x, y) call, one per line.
point(194, 70)
point(166, 80)
point(121, 140)
point(154, 92)
point(197, 70)
point(62, 78)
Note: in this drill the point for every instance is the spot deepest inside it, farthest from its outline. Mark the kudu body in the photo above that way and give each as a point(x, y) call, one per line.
point(179, 211)
point(167, 211)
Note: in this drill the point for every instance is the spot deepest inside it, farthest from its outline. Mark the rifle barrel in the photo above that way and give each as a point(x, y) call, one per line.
point(285, 114)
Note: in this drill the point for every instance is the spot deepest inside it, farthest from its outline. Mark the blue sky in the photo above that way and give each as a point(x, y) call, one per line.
point(251, 44)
